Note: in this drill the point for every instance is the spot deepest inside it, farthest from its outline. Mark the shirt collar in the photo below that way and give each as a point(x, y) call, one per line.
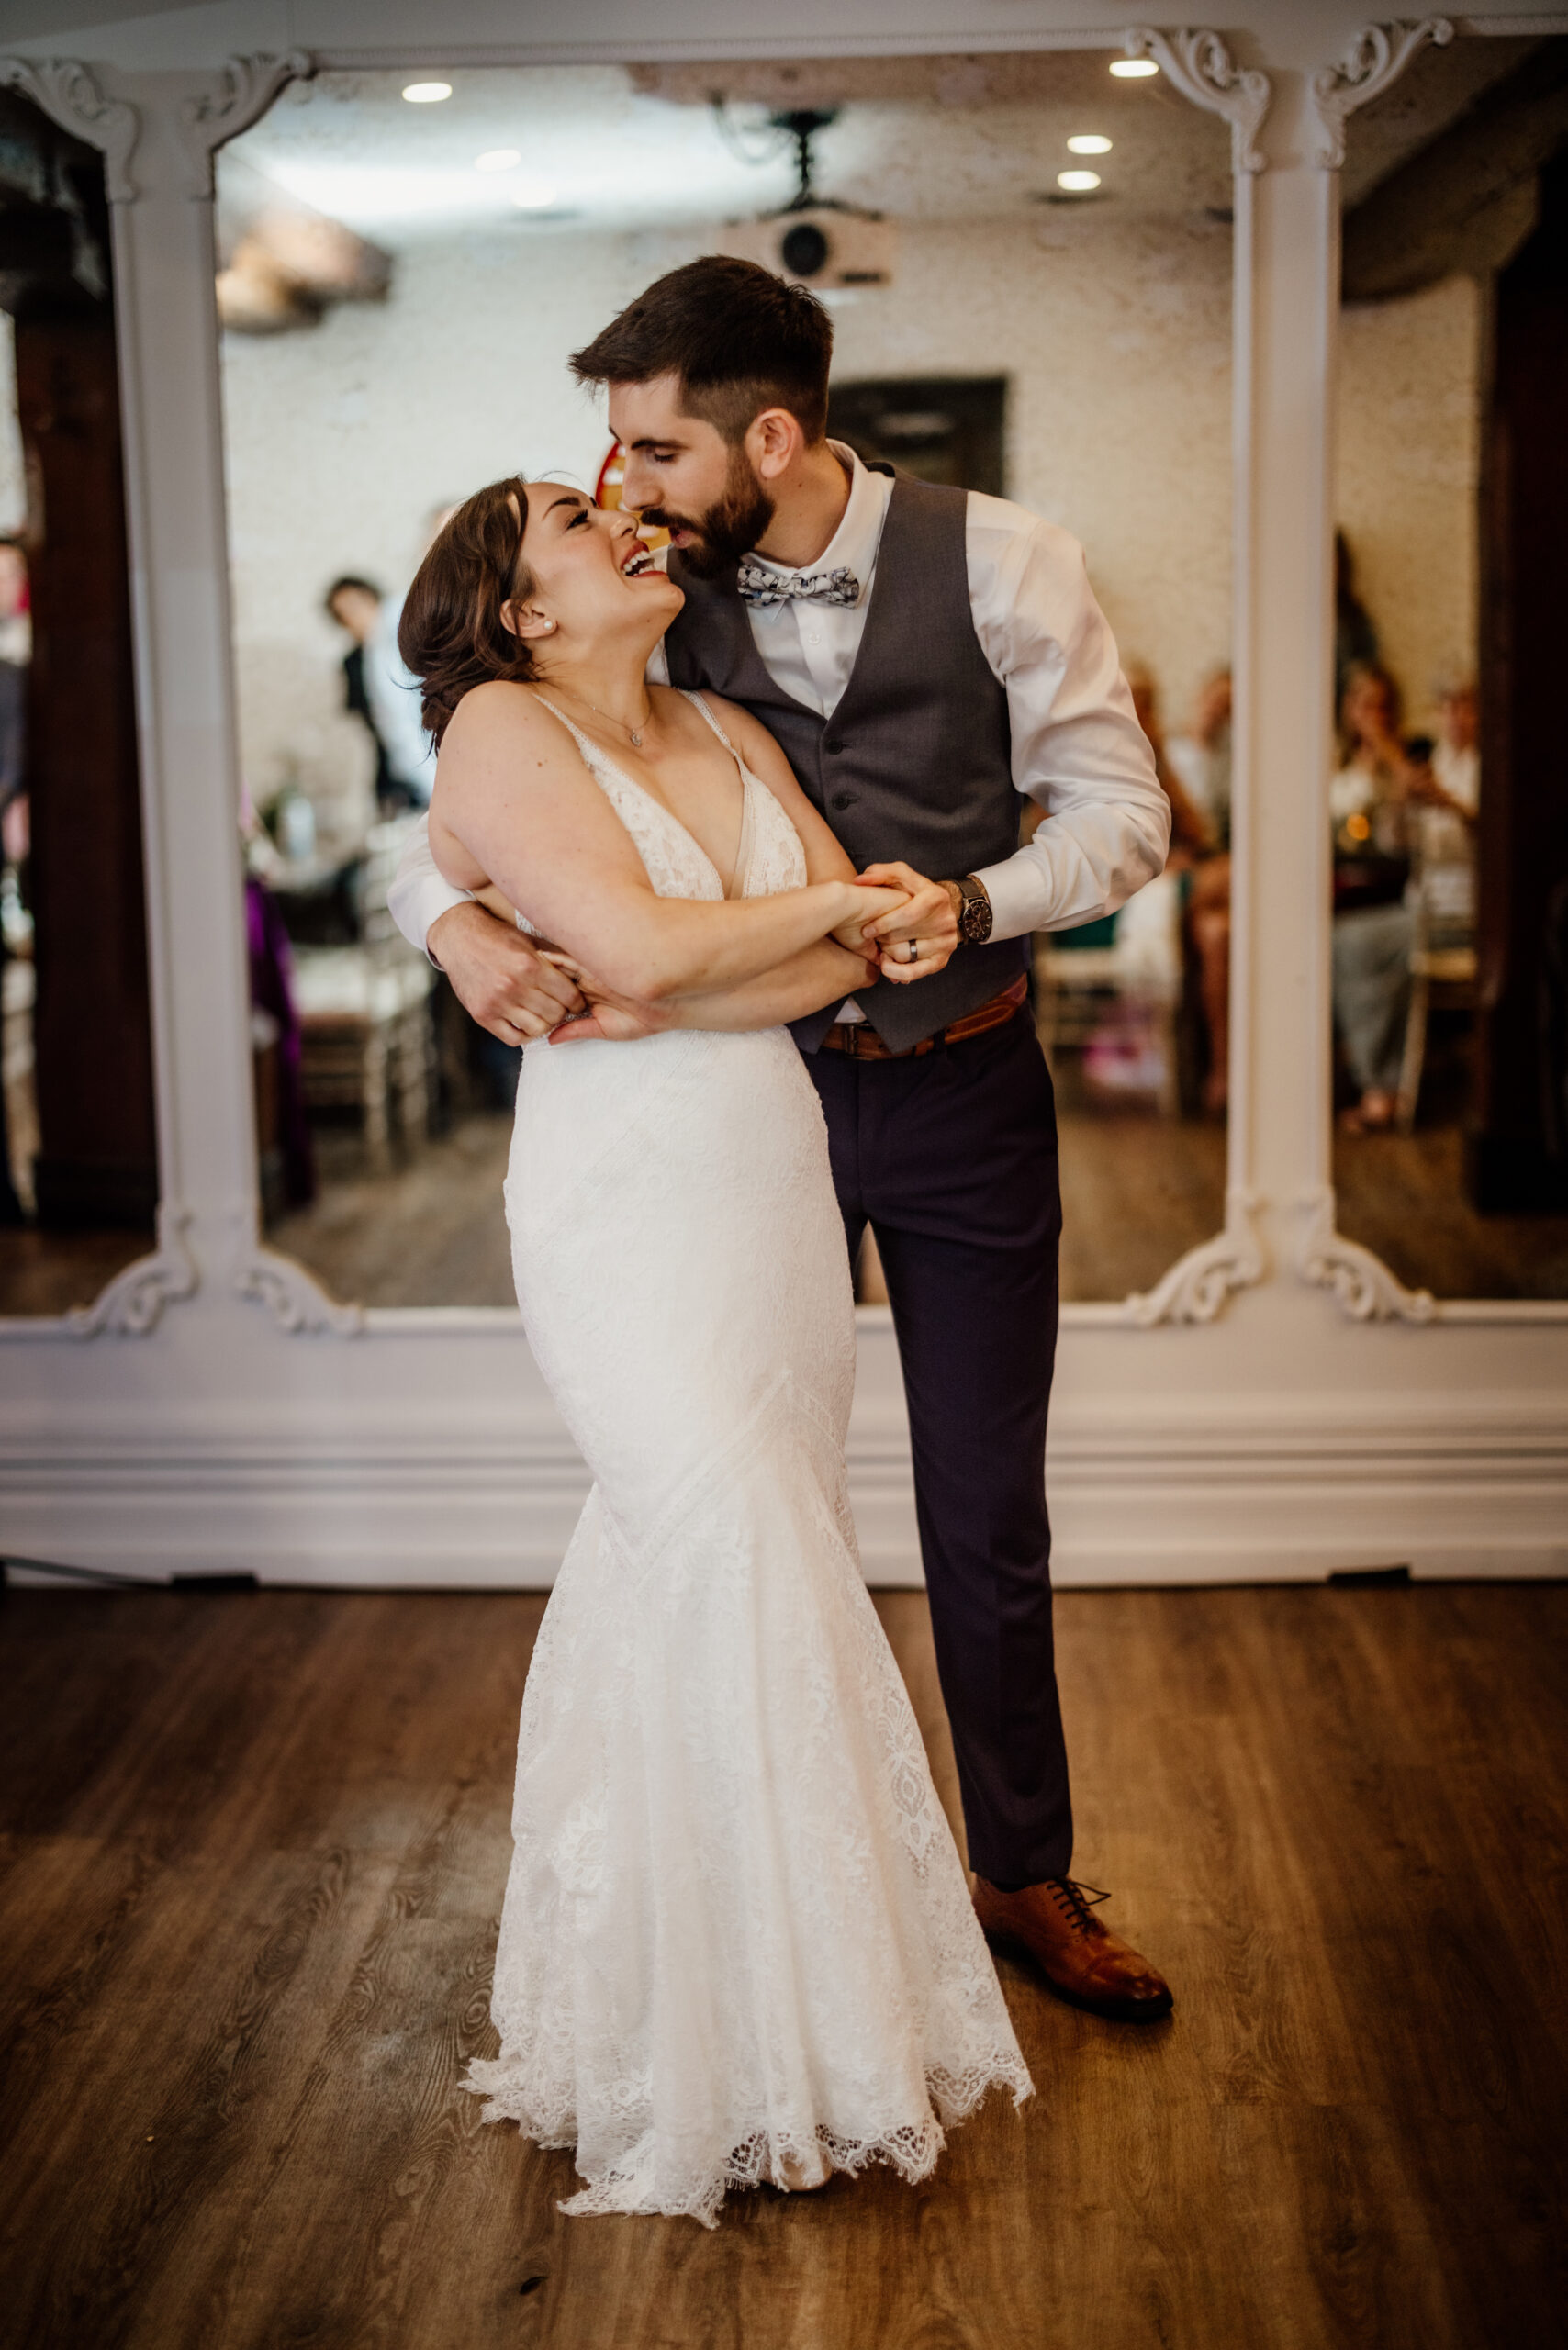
point(853, 546)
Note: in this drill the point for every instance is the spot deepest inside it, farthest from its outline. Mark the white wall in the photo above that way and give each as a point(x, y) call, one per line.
point(342, 439)
point(1409, 446)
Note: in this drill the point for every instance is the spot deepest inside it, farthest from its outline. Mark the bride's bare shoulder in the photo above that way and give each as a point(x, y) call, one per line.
point(498, 707)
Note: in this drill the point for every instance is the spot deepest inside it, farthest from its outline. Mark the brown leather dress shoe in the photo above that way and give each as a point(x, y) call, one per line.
point(1082, 1960)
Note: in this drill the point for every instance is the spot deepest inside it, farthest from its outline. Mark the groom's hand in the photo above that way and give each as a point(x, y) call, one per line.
point(930, 919)
point(499, 979)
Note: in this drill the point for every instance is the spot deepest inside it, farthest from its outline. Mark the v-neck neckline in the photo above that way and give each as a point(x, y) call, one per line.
point(733, 892)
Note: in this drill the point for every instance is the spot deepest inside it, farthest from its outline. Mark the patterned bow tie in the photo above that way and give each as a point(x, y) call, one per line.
point(759, 586)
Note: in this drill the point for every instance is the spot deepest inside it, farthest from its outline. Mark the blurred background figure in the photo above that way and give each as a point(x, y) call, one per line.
point(1200, 758)
point(1372, 801)
point(1456, 754)
point(1355, 637)
point(15, 650)
point(379, 689)
point(1195, 774)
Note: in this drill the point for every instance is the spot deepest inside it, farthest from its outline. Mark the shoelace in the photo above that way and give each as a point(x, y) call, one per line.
point(1077, 1899)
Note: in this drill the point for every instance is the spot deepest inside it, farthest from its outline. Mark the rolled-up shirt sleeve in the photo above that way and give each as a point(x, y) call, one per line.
point(1078, 748)
point(417, 895)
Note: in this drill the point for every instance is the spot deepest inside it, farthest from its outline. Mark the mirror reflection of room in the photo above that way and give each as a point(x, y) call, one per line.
point(1449, 935)
point(78, 1153)
point(1013, 314)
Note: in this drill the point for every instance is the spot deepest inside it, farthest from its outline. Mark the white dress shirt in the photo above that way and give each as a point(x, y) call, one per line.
point(1078, 748)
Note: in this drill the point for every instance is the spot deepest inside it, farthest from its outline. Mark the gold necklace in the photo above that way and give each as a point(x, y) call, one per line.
point(609, 718)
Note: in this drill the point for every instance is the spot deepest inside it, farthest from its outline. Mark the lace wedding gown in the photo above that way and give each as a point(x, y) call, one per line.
point(737, 1944)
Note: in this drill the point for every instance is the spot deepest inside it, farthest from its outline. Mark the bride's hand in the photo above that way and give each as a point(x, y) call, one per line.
point(610, 1019)
point(868, 904)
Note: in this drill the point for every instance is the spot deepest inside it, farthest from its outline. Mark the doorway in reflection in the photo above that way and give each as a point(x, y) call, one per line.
point(401, 286)
point(78, 1153)
point(1448, 809)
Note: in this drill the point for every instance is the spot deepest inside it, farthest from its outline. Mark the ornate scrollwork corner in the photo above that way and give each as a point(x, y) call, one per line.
point(132, 1306)
point(1373, 60)
point(67, 93)
point(296, 1302)
point(245, 88)
point(1198, 1284)
point(1366, 1290)
point(1199, 64)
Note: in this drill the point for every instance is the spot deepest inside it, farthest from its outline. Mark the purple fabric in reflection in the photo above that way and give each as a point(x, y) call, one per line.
point(271, 991)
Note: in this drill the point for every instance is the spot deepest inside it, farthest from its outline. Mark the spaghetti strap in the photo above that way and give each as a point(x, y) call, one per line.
point(585, 743)
point(687, 694)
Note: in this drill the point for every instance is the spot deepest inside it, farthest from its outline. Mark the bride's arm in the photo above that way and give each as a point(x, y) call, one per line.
point(514, 806)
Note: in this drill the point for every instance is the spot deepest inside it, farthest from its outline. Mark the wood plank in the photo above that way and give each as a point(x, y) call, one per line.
point(254, 1850)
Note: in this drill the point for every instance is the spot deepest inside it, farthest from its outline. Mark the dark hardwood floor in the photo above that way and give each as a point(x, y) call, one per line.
point(253, 1858)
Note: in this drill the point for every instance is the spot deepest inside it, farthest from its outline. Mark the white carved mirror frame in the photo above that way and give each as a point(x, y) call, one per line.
point(209, 1219)
point(1367, 1291)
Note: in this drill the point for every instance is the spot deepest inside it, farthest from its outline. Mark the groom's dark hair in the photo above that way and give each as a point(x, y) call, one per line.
point(740, 339)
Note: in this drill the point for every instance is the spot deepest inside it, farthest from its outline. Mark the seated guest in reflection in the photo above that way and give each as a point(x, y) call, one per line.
point(379, 689)
point(1203, 867)
point(1381, 783)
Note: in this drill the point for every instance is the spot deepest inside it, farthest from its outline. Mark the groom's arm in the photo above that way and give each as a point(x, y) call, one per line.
point(500, 981)
point(1078, 748)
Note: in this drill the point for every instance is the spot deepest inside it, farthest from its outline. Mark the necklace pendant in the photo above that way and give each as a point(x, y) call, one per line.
point(636, 742)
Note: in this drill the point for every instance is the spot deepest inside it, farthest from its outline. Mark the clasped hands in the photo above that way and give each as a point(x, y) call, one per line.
point(518, 989)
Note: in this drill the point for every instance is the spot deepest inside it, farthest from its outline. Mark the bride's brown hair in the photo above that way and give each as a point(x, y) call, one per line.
point(452, 635)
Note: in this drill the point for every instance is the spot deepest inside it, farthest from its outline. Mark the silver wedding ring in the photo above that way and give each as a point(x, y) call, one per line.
point(914, 954)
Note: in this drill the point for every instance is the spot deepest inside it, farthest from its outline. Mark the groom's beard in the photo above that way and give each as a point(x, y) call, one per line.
point(731, 527)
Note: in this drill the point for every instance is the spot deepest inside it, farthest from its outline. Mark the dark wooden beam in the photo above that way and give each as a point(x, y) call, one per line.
point(1463, 204)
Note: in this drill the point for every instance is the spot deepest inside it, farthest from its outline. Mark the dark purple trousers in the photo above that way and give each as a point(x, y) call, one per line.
point(951, 1159)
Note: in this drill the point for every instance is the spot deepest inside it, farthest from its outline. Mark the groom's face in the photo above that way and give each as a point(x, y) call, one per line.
point(684, 477)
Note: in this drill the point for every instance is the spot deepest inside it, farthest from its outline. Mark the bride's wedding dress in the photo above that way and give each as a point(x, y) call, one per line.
point(737, 1944)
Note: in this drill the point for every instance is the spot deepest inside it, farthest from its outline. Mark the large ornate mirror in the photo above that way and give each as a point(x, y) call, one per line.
point(1031, 292)
point(1449, 935)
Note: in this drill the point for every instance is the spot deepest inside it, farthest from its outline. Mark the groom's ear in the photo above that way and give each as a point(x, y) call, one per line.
point(773, 441)
point(526, 620)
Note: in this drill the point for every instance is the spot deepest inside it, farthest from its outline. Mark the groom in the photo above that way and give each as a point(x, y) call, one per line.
point(924, 656)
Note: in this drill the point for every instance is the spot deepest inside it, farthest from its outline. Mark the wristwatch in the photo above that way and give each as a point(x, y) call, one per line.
point(974, 910)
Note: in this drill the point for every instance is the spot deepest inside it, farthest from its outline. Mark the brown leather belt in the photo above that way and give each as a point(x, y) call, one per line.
point(860, 1040)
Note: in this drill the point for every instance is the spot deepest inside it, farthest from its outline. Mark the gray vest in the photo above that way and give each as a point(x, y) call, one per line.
point(917, 760)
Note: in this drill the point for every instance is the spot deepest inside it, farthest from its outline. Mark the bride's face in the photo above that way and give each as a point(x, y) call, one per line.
point(593, 578)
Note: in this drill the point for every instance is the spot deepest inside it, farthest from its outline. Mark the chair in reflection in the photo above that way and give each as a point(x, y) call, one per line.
point(365, 1015)
point(1442, 897)
point(1122, 973)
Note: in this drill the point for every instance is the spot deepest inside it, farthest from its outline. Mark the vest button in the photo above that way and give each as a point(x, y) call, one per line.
point(844, 799)
point(833, 746)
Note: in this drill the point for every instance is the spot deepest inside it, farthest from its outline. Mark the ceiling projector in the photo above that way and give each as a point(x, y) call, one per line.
point(818, 245)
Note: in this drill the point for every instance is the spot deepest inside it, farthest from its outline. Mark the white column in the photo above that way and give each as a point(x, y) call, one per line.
point(1280, 1108)
point(167, 321)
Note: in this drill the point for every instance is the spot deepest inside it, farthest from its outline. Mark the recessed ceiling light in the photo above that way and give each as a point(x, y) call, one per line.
point(1134, 69)
point(1089, 142)
point(1078, 183)
point(533, 198)
point(496, 159)
point(427, 94)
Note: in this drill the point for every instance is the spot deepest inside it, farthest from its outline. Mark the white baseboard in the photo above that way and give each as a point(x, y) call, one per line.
point(1226, 1490)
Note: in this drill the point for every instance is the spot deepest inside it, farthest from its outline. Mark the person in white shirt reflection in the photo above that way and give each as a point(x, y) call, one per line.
point(924, 656)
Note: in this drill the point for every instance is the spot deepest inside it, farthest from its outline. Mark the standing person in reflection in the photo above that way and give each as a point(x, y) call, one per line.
point(1371, 802)
point(923, 655)
point(737, 1945)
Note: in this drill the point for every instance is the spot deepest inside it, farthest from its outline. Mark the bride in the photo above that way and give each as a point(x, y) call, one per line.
point(737, 1944)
